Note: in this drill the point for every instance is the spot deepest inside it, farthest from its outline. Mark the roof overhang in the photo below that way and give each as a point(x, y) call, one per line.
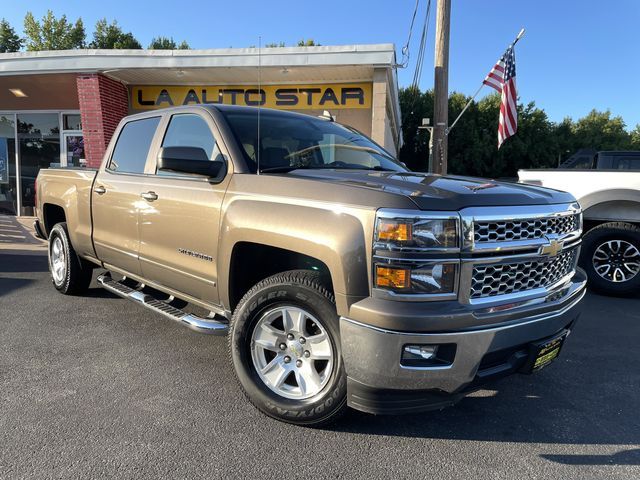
point(94, 61)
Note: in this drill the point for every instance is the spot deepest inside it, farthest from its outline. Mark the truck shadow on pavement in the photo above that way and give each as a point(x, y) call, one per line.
point(25, 264)
point(623, 457)
point(10, 263)
point(8, 285)
point(536, 409)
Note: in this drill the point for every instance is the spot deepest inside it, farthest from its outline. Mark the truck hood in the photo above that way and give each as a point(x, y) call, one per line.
point(436, 192)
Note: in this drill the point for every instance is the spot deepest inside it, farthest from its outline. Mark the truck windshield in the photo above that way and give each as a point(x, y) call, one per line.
point(290, 142)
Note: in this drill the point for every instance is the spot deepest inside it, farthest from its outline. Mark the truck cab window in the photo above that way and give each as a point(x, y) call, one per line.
point(132, 147)
point(627, 162)
point(190, 130)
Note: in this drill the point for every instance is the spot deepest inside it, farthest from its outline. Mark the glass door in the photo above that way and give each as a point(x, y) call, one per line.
point(73, 150)
point(39, 145)
point(8, 184)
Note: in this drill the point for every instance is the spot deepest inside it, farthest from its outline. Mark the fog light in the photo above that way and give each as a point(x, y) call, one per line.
point(428, 356)
point(420, 352)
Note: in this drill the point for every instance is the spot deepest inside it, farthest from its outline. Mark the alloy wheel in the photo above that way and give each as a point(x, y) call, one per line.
point(58, 261)
point(292, 352)
point(616, 261)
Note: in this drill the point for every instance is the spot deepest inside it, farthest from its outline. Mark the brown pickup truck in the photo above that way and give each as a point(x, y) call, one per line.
point(340, 277)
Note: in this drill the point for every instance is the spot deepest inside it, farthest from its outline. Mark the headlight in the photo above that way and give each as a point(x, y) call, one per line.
point(433, 278)
point(396, 230)
point(416, 254)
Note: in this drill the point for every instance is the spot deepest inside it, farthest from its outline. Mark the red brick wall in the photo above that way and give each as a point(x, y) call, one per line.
point(103, 103)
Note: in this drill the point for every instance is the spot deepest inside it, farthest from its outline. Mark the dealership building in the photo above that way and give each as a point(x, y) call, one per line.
point(61, 107)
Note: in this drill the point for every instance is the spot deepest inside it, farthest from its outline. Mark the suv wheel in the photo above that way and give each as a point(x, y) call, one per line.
point(284, 344)
point(70, 274)
point(611, 256)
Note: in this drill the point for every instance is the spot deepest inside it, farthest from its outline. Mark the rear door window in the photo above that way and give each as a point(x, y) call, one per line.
point(132, 147)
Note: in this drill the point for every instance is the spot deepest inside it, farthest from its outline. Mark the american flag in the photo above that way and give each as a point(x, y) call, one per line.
point(502, 77)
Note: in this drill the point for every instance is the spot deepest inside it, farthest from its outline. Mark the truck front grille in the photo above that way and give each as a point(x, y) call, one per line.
point(524, 229)
point(493, 279)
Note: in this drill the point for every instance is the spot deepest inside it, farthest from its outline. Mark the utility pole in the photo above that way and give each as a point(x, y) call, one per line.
point(438, 153)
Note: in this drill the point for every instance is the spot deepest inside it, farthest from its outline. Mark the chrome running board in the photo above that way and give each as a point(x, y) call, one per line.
point(194, 322)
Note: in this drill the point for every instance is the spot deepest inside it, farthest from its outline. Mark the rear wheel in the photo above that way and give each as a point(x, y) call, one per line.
point(69, 273)
point(611, 257)
point(285, 347)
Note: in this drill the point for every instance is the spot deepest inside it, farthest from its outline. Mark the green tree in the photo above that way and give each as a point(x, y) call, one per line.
point(473, 141)
point(308, 43)
point(415, 105)
point(275, 45)
point(539, 143)
point(601, 131)
point(635, 138)
point(52, 33)
point(167, 43)
point(9, 41)
point(111, 36)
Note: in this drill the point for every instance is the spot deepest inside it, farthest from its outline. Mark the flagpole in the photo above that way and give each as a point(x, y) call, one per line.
point(448, 130)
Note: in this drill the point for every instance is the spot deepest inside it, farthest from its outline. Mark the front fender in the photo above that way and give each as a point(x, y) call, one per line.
point(338, 236)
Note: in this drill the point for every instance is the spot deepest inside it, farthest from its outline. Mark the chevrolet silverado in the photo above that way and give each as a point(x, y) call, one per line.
point(340, 277)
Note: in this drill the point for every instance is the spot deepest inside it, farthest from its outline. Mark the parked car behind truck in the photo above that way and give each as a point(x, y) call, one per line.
point(608, 189)
point(340, 277)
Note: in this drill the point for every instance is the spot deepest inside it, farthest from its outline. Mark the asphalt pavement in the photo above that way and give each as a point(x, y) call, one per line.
point(96, 386)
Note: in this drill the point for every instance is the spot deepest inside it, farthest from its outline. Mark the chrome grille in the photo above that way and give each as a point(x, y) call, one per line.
point(503, 278)
point(524, 229)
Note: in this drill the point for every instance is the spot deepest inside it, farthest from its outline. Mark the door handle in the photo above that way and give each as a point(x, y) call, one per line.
point(149, 196)
point(100, 190)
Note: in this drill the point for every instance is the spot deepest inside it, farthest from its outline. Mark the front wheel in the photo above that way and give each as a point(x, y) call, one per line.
point(610, 255)
point(285, 347)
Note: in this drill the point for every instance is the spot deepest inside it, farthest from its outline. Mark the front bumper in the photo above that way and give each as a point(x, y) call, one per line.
point(379, 383)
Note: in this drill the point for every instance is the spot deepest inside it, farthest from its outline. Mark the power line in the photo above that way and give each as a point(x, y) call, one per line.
point(405, 48)
point(422, 49)
point(417, 74)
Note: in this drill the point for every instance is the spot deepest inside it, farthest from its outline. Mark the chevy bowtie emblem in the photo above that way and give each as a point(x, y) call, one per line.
point(552, 249)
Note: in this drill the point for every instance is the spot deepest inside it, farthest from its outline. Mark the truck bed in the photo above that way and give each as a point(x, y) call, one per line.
point(70, 189)
point(582, 183)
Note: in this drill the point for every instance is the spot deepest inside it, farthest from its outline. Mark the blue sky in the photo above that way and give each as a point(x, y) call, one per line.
point(576, 55)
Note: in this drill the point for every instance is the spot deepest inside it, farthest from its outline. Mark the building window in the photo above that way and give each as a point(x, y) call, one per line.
point(71, 121)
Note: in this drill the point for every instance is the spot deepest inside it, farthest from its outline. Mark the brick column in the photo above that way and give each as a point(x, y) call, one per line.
point(103, 103)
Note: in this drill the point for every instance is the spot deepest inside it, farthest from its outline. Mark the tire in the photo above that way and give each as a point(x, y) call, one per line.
point(70, 274)
point(615, 244)
point(300, 397)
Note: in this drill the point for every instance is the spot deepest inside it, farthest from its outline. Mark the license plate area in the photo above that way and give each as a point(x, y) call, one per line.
point(544, 352)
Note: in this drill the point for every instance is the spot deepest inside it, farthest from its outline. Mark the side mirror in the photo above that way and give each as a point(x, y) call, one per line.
point(193, 160)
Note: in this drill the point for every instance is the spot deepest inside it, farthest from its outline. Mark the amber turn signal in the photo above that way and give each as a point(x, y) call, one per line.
point(395, 278)
point(394, 231)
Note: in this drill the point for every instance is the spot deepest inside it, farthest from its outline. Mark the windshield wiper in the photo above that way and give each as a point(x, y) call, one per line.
point(284, 169)
point(378, 168)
